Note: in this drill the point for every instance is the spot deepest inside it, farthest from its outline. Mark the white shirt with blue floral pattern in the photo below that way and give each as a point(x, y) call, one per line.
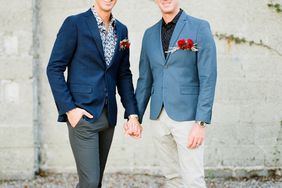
point(109, 38)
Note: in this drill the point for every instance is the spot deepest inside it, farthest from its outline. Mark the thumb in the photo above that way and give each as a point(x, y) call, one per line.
point(125, 126)
point(87, 114)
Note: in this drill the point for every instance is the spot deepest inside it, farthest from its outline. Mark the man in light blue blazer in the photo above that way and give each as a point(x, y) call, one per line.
point(178, 72)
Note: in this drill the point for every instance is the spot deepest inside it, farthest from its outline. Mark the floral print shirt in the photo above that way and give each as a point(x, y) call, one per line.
point(109, 38)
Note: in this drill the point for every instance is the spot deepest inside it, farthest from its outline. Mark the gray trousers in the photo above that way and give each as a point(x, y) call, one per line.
point(90, 143)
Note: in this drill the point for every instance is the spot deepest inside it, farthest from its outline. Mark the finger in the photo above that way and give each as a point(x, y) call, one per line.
point(125, 126)
point(132, 128)
point(190, 141)
point(133, 135)
point(87, 114)
point(126, 132)
point(136, 136)
point(139, 136)
point(140, 131)
point(73, 125)
point(195, 143)
point(129, 128)
point(74, 121)
point(135, 128)
point(201, 141)
point(128, 125)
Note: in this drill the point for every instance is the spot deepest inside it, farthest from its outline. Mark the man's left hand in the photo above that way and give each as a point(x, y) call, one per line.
point(196, 136)
point(133, 128)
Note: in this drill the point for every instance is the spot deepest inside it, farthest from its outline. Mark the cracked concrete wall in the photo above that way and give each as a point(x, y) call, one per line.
point(246, 131)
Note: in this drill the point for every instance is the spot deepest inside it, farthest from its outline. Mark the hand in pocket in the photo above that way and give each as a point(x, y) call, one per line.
point(76, 114)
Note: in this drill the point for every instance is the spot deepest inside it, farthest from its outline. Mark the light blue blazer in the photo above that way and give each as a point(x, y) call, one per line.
point(184, 82)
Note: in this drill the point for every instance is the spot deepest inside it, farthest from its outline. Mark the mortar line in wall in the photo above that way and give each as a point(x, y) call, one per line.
point(35, 84)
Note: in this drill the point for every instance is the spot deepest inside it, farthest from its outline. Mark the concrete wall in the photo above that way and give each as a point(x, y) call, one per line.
point(246, 132)
point(16, 93)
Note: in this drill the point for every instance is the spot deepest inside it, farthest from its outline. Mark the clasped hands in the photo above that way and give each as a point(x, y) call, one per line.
point(133, 128)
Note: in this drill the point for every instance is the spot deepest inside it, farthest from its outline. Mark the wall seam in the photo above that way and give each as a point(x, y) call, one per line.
point(35, 84)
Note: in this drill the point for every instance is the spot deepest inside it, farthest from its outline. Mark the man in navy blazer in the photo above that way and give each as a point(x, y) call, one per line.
point(178, 72)
point(94, 48)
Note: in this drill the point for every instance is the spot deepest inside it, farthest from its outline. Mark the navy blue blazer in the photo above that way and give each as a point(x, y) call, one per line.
point(78, 48)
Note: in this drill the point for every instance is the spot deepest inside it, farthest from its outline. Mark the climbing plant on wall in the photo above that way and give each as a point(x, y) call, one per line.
point(275, 6)
point(241, 40)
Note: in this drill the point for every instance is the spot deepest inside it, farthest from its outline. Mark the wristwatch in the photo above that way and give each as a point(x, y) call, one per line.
point(201, 124)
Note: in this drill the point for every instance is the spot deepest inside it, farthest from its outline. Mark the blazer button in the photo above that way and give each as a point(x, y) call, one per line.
point(165, 66)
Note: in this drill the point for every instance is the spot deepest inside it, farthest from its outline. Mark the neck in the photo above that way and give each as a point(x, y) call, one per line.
point(104, 15)
point(168, 17)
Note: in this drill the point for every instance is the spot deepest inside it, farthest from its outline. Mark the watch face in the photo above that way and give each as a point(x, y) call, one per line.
point(203, 124)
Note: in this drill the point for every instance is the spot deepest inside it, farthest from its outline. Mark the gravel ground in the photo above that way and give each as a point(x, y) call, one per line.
point(137, 181)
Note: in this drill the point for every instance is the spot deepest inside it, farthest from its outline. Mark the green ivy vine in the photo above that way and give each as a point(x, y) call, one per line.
point(275, 6)
point(241, 40)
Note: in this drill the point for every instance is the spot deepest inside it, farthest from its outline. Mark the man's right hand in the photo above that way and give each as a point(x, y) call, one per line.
point(76, 114)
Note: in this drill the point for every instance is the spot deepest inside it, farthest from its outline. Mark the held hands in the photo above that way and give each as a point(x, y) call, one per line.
point(76, 114)
point(196, 136)
point(133, 128)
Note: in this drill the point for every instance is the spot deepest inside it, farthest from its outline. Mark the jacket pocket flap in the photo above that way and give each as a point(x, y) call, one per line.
point(75, 88)
point(189, 90)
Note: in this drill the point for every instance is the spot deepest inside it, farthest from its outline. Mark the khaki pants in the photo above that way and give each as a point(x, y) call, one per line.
point(182, 167)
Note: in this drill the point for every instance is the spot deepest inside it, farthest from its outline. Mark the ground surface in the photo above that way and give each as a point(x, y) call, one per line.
point(137, 181)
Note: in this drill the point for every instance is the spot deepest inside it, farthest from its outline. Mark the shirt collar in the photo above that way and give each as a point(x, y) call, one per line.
point(175, 19)
point(99, 19)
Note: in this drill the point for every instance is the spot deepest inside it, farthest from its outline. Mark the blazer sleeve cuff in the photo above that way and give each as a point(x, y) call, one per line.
point(63, 109)
point(129, 111)
point(205, 118)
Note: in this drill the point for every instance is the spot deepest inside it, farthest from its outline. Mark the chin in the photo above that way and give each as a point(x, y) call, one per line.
point(107, 9)
point(167, 10)
point(107, 6)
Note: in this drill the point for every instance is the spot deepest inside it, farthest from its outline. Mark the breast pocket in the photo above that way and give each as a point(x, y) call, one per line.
point(186, 56)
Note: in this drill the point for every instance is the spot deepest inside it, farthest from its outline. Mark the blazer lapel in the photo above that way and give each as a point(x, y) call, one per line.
point(92, 24)
point(177, 31)
point(159, 44)
point(117, 49)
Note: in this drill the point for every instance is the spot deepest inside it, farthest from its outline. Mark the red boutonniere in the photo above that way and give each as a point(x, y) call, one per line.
point(184, 44)
point(124, 44)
